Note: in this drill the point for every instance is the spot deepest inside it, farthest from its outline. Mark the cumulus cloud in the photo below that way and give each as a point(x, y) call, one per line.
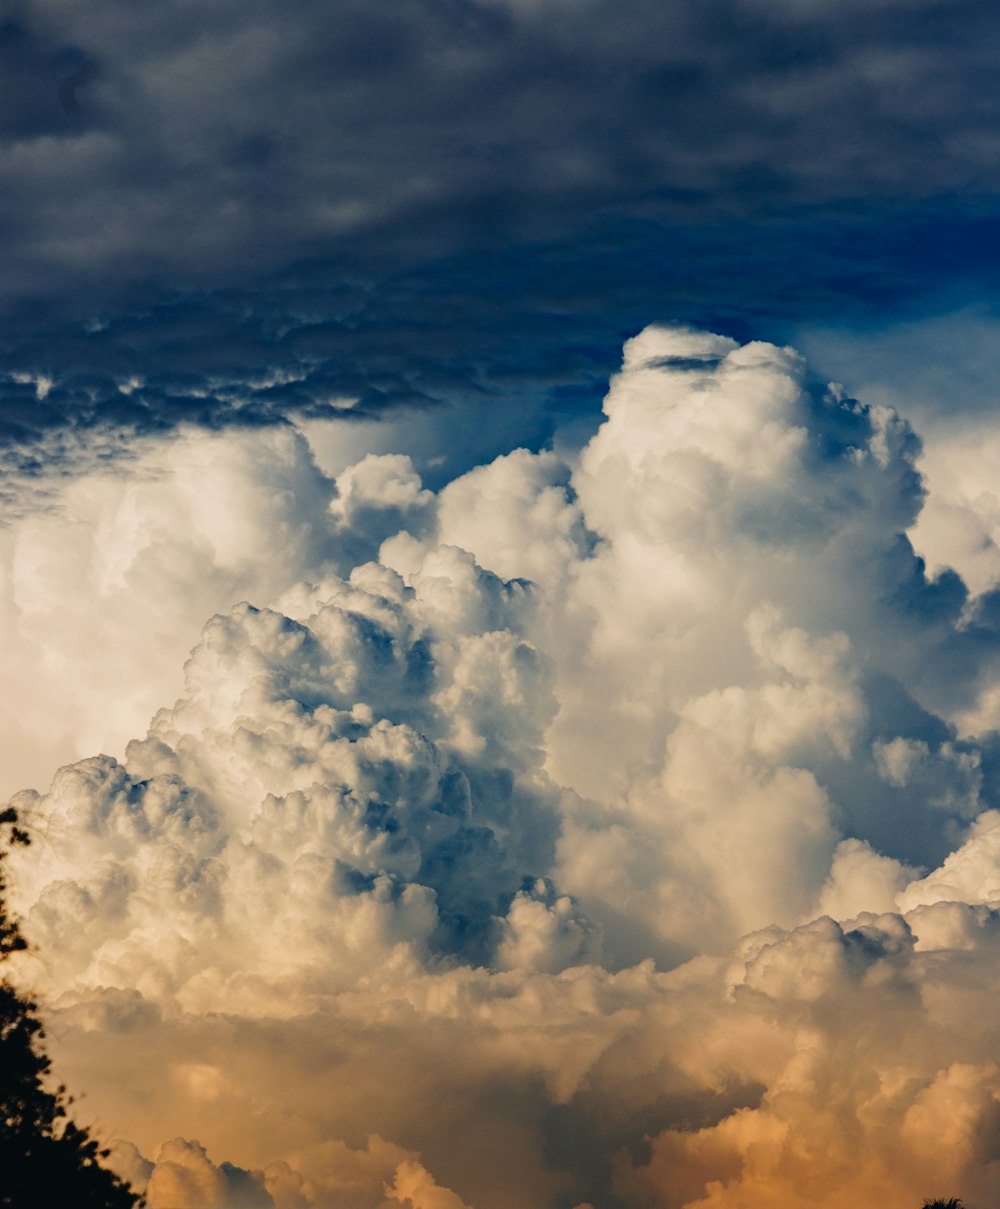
point(184, 1175)
point(852, 1114)
point(105, 586)
point(597, 830)
point(415, 1185)
point(902, 364)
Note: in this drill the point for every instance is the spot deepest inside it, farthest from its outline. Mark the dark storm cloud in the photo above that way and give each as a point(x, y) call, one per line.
point(182, 142)
point(538, 326)
point(253, 210)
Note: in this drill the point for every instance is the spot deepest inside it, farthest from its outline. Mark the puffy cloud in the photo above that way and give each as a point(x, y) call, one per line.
point(416, 1186)
point(970, 874)
point(853, 1113)
point(723, 629)
point(104, 590)
point(185, 1178)
point(542, 932)
point(596, 830)
point(518, 517)
point(860, 880)
point(103, 593)
point(903, 364)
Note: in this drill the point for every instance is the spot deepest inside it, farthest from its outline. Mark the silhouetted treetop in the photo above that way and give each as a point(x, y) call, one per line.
point(45, 1158)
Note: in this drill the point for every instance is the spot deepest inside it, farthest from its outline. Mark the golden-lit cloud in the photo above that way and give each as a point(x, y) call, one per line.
point(602, 830)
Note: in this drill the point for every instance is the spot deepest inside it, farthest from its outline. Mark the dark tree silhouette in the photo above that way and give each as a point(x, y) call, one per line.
point(45, 1158)
point(954, 1203)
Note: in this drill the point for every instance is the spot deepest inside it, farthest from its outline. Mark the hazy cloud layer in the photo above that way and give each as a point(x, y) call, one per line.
point(616, 829)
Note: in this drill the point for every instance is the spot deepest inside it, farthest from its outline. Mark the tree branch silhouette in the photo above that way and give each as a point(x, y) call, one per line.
point(45, 1157)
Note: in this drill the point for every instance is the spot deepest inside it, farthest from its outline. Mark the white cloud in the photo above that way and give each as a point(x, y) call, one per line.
point(103, 595)
point(585, 802)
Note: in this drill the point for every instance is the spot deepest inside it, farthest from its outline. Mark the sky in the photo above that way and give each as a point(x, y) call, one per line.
point(500, 595)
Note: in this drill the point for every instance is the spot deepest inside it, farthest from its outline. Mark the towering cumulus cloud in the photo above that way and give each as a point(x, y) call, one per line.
point(612, 831)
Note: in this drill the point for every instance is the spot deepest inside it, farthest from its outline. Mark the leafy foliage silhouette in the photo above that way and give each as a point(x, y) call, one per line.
point(45, 1158)
point(953, 1203)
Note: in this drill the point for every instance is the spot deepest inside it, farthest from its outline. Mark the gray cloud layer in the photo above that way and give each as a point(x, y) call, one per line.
point(173, 145)
point(238, 215)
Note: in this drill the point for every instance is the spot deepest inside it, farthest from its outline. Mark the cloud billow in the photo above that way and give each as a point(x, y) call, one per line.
point(611, 828)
